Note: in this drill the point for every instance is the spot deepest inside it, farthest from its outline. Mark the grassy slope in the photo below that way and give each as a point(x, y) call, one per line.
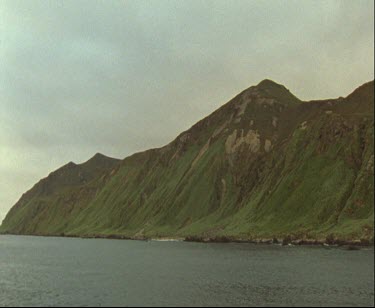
point(316, 179)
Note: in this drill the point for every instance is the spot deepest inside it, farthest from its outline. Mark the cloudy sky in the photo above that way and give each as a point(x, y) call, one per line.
point(116, 77)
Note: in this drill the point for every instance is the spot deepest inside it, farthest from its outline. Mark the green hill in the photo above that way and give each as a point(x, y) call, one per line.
point(263, 165)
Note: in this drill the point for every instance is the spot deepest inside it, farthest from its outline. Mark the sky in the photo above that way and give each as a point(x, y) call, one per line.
point(117, 77)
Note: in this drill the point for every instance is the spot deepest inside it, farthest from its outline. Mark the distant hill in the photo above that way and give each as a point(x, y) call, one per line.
point(264, 165)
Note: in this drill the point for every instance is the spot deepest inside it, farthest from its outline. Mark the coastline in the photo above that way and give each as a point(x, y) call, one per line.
point(331, 242)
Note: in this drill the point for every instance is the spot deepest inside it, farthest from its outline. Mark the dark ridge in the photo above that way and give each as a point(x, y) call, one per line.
point(269, 88)
point(68, 166)
point(100, 158)
point(360, 102)
point(268, 83)
point(364, 90)
point(99, 155)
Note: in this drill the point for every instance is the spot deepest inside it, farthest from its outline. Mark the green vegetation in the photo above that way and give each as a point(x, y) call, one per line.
point(264, 165)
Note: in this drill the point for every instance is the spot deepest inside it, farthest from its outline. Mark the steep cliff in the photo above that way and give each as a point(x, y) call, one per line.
point(263, 165)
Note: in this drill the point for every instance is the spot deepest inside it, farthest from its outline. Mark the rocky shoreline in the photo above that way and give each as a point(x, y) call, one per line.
point(285, 241)
point(328, 241)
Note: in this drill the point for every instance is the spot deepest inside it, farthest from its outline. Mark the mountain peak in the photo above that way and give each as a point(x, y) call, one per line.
point(99, 156)
point(270, 88)
point(268, 83)
point(100, 160)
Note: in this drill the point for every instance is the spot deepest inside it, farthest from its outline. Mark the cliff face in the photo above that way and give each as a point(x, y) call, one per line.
point(263, 165)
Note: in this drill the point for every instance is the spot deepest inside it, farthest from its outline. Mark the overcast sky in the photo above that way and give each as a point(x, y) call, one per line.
point(116, 77)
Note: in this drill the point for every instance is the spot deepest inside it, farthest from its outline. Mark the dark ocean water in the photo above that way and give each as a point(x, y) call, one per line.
point(76, 272)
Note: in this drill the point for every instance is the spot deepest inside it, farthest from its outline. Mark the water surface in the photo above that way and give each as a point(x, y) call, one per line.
point(37, 271)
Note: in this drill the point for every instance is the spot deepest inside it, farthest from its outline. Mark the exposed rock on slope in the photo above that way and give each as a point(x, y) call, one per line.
point(263, 165)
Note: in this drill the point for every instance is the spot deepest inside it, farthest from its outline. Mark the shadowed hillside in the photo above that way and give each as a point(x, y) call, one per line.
point(263, 165)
